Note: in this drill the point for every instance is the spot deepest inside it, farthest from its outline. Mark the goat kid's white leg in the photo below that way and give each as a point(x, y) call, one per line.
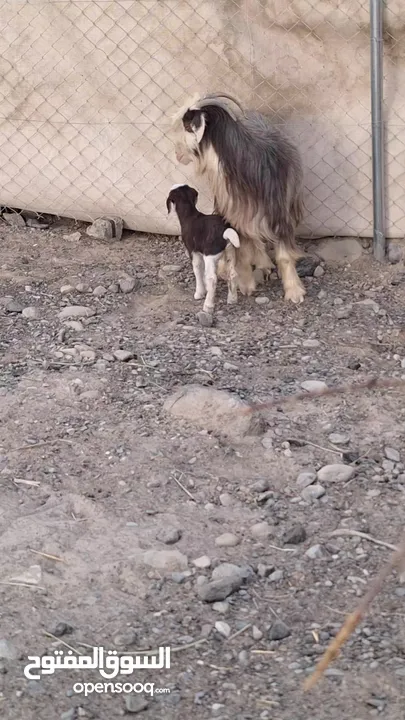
point(230, 256)
point(198, 267)
point(210, 263)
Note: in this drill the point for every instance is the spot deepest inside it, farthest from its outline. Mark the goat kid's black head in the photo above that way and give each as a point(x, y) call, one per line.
point(181, 193)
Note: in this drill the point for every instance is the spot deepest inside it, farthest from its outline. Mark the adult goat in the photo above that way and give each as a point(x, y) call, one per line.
point(255, 175)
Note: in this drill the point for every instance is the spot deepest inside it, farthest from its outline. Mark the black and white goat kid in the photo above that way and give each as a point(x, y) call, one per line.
point(256, 176)
point(208, 240)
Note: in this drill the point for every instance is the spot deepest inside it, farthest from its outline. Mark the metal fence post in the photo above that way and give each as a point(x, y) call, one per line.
point(377, 124)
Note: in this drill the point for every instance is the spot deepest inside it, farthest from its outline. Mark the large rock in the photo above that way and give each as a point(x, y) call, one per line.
point(342, 251)
point(220, 589)
point(214, 410)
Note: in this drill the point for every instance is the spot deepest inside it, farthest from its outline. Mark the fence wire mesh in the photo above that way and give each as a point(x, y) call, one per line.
point(87, 88)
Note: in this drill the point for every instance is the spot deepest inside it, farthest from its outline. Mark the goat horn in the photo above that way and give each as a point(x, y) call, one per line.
point(226, 97)
point(219, 100)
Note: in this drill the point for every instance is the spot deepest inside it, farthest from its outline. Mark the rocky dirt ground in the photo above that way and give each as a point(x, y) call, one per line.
point(173, 524)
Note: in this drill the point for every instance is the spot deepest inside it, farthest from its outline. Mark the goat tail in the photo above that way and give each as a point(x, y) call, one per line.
point(233, 237)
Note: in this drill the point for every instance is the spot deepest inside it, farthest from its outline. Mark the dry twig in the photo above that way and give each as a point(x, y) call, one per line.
point(181, 486)
point(21, 584)
point(21, 481)
point(46, 555)
point(356, 533)
point(62, 642)
point(370, 384)
point(239, 632)
point(397, 560)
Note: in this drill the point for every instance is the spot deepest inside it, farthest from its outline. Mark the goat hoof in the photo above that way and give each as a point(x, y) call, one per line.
point(232, 300)
point(199, 295)
point(295, 294)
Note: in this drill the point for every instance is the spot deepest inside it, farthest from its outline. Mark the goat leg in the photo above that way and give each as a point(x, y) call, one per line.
point(232, 275)
point(210, 263)
point(198, 267)
point(293, 287)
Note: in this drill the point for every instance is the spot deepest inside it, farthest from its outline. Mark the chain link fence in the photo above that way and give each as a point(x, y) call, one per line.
point(87, 88)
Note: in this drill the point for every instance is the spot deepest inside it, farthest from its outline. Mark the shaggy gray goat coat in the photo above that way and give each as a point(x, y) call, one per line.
point(255, 174)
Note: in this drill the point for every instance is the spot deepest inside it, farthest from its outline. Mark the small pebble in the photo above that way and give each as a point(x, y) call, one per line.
point(31, 313)
point(343, 312)
point(223, 628)
point(230, 366)
point(314, 385)
point(66, 289)
point(264, 570)
point(260, 531)
point(314, 552)
point(202, 562)
point(226, 499)
point(310, 343)
point(178, 577)
point(13, 307)
point(62, 628)
point(7, 650)
point(226, 570)
point(99, 291)
point(276, 576)
point(73, 237)
point(69, 714)
point(395, 253)
point(126, 639)
point(295, 535)
point(126, 285)
point(278, 631)
point(243, 657)
point(262, 300)
point(339, 439)
point(75, 325)
point(392, 454)
point(260, 486)
point(135, 703)
point(123, 355)
point(306, 478)
point(227, 540)
point(171, 269)
point(267, 442)
point(219, 589)
point(335, 473)
point(76, 311)
point(221, 606)
point(169, 536)
point(313, 492)
point(319, 271)
point(256, 633)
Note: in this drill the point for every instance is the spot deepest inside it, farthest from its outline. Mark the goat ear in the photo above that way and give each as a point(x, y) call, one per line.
point(194, 122)
point(199, 128)
point(169, 204)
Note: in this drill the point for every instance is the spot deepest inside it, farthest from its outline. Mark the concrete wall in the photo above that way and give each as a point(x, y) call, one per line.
point(86, 87)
